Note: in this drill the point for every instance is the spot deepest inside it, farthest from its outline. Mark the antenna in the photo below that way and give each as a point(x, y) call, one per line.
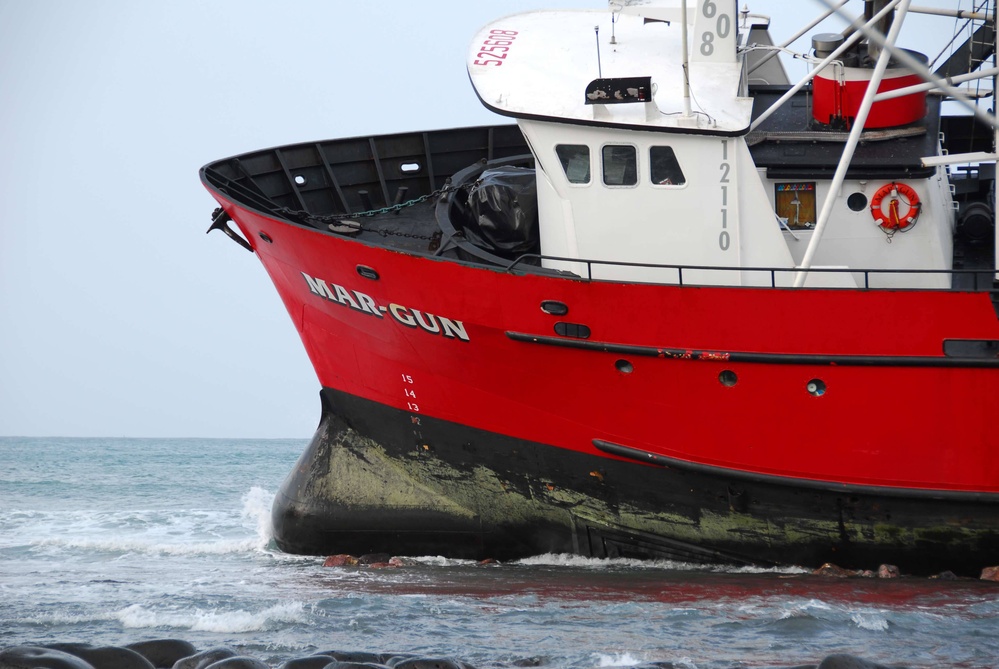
point(600, 69)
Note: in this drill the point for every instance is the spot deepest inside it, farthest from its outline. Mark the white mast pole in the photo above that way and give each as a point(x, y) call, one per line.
point(686, 58)
point(953, 13)
point(930, 85)
point(851, 144)
point(820, 66)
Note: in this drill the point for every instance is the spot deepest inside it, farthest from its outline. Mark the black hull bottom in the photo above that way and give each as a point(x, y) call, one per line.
point(378, 480)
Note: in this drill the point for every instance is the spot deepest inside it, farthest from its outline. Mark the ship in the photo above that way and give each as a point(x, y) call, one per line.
point(672, 306)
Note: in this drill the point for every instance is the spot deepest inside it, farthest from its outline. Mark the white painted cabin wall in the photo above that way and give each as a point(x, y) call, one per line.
point(660, 225)
point(682, 225)
point(761, 241)
point(853, 239)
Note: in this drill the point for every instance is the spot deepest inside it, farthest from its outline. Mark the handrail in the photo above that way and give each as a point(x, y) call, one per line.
point(981, 277)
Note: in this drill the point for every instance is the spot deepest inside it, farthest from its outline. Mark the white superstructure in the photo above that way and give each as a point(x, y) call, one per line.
point(626, 175)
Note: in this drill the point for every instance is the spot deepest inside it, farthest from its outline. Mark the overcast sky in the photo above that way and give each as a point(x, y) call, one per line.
point(118, 315)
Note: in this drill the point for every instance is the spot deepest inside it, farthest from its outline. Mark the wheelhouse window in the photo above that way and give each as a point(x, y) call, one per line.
point(620, 165)
point(575, 159)
point(664, 167)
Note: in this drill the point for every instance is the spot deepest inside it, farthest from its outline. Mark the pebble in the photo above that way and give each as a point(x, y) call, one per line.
point(158, 654)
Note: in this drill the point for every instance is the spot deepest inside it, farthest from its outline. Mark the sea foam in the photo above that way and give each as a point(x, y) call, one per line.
point(215, 620)
point(873, 621)
point(578, 561)
point(257, 507)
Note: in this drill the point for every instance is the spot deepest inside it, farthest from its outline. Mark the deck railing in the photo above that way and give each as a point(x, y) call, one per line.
point(962, 280)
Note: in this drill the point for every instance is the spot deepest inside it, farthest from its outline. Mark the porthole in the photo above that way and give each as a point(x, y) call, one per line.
point(267, 238)
point(728, 378)
point(410, 168)
point(554, 308)
point(816, 387)
point(624, 366)
point(367, 272)
point(300, 179)
point(857, 201)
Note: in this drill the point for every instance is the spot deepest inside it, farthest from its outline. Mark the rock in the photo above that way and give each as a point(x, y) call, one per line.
point(204, 658)
point(373, 558)
point(355, 656)
point(37, 657)
point(104, 657)
point(990, 574)
point(163, 653)
point(945, 576)
point(309, 662)
point(888, 571)
point(238, 662)
point(487, 561)
point(829, 569)
point(431, 663)
point(382, 565)
point(840, 661)
point(340, 561)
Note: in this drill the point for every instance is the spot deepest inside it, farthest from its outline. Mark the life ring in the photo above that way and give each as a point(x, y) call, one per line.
point(893, 219)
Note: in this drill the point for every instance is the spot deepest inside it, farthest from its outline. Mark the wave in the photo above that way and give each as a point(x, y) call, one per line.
point(626, 659)
point(257, 505)
point(578, 561)
point(873, 621)
point(617, 660)
point(215, 620)
point(151, 547)
point(188, 532)
point(803, 609)
point(137, 616)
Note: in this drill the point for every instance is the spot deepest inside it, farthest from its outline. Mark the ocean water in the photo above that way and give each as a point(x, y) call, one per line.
point(112, 541)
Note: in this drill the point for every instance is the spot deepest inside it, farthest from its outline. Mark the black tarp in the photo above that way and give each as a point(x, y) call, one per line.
point(500, 211)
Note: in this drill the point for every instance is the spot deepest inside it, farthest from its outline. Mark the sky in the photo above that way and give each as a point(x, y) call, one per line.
point(118, 315)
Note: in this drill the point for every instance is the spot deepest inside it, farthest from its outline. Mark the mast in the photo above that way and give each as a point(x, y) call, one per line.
point(839, 177)
point(686, 58)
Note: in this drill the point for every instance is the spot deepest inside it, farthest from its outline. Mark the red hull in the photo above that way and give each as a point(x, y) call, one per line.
point(895, 413)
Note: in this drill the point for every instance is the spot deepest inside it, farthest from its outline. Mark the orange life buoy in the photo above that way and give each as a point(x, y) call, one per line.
point(888, 214)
